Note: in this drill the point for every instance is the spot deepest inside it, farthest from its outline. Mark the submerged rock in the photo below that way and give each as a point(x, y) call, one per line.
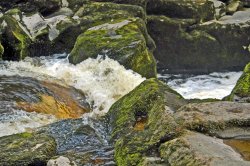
point(26, 149)
point(122, 40)
point(198, 149)
point(241, 91)
point(142, 119)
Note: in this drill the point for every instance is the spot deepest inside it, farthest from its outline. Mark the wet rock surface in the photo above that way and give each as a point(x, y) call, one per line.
point(81, 141)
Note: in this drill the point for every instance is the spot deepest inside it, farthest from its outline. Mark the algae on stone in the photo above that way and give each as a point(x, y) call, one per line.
point(26, 149)
point(142, 119)
point(122, 40)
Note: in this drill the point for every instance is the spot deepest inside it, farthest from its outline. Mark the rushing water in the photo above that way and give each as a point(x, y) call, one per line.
point(214, 85)
point(103, 81)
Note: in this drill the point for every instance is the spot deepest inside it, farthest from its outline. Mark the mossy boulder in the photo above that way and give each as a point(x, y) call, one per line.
point(122, 40)
point(110, 10)
point(186, 47)
point(241, 91)
point(26, 149)
point(142, 119)
point(14, 38)
point(201, 10)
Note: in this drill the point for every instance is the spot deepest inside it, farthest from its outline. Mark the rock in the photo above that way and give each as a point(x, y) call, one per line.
point(122, 40)
point(60, 161)
point(233, 6)
point(105, 12)
point(142, 3)
point(220, 8)
point(201, 10)
point(246, 3)
point(197, 149)
point(15, 39)
point(45, 7)
point(186, 47)
point(81, 141)
point(142, 119)
point(34, 35)
point(214, 117)
point(26, 149)
point(241, 91)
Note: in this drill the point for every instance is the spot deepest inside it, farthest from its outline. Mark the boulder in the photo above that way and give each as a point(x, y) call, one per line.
point(45, 7)
point(186, 47)
point(214, 117)
point(198, 149)
point(233, 6)
point(142, 119)
point(220, 8)
point(241, 91)
point(123, 40)
point(201, 10)
point(26, 149)
point(33, 35)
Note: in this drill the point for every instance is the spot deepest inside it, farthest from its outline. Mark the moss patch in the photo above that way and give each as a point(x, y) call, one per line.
point(242, 88)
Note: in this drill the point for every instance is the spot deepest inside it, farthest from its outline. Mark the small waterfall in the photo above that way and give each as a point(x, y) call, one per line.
point(102, 81)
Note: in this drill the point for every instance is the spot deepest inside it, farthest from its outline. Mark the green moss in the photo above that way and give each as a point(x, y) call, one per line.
point(1, 50)
point(139, 121)
point(242, 88)
point(26, 135)
point(122, 41)
point(20, 40)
